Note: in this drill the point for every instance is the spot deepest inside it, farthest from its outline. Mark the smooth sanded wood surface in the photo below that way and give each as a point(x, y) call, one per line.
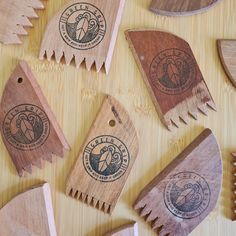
point(75, 96)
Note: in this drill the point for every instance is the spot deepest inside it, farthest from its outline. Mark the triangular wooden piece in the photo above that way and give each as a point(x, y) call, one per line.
point(181, 7)
point(186, 191)
point(15, 15)
point(234, 188)
point(29, 213)
point(28, 127)
point(84, 31)
point(126, 230)
point(106, 158)
point(227, 53)
point(172, 75)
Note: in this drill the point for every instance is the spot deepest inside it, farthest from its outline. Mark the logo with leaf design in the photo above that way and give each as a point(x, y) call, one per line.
point(26, 127)
point(82, 26)
point(173, 71)
point(106, 158)
point(187, 195)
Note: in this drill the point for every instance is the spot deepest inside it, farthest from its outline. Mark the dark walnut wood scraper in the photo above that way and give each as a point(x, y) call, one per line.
point(28, 127)
point(181, 7)
point(172, 75)
point(106, 158)
point(186, 191)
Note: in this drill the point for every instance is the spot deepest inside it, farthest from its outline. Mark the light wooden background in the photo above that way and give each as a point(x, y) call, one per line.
point(76, 94)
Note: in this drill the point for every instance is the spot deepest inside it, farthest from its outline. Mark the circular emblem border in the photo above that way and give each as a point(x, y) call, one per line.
point(172, 178)
point(83, 3)
point(36, 146)
point(158, 58)
point(92, 141)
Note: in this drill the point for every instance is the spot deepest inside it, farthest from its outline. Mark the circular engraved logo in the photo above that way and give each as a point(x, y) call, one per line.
point(82, 26)
point(187, 195)
point(173, 71)
point(106, 158)
point(26, 127)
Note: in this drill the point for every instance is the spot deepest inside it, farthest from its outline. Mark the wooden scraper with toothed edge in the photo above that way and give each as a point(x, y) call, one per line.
point(29, 214)
point(106, 158)
point(125, 230)
point(227, 53)
point(181, 7)
point(171, 74)
point(29, 129)
point(84, 31)
point(15, 15)
point(178, 199)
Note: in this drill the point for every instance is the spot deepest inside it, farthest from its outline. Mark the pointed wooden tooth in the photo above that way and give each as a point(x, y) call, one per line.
point(99, 64)
point(58, 55)
point(24, 21)
point(202, 108)
point(100, 205)
point(164, 232)
point(89, 200)
point(49, 54)
point(19, 29)
point(28, 168)
point(68, 190)
point(193, 114)
point(212, 105)
point(95, 202)
point(68, 57)
point(36, 4)
point(139, 204)
point(12, 39)
point(106, 207)
point(175, 123)
point(78, 61)
point(30, 12)
point(89, 63)
point(107, 66)
point(157, 223)
point(183, 119)
point(83, 197)
point(145, 211)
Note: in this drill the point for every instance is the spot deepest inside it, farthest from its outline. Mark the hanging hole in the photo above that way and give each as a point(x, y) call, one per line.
point(19, 80)
point(112, 123)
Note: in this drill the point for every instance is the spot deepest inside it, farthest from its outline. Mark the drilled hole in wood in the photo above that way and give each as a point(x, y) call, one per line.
point(112, 123)
point(20, 80)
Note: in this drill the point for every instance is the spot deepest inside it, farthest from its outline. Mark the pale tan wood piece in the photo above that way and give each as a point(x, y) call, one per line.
point(15, 15)
point(106, 158)
point(29, 128)
point(186, 191)
point(29, 214)
point(181, 7)
point(234, 188)
point(125, 230)
point(227, 53)
point(84, 32)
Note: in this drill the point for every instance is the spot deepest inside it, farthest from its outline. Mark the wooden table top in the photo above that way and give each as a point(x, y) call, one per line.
point(75, 96)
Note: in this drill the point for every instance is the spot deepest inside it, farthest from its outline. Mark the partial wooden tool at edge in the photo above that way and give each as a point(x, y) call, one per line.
point(234, 188)
point(30, 213)
point(106, 158)
point(15, 15)
point(125, 230)
point(172, 75)
point(227, 53)
point(100, 22)
point(181, 7)
point(186, 191)
point(28, 127)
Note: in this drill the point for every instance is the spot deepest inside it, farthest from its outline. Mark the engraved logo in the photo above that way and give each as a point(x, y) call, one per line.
point(106, 158)
point(187, 195)
point(173, 71)
point(26, 127)
point(82, 26)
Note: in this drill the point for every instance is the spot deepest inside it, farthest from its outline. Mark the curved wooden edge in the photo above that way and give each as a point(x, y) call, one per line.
point(220, 44)
point(130, 229)
point(183, 13)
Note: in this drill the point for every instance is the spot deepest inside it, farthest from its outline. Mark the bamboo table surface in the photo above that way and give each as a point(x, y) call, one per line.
point(76, 94)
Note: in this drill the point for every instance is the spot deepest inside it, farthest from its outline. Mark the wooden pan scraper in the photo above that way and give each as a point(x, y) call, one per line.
point(106, 158)
point(15, 15)
point(29, 214)
point(181, 7)
point(171, 74)
point(186, 191)
point(85, 32)
point(29, 129)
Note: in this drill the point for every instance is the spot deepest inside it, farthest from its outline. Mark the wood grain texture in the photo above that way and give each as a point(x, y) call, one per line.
point(186, 191)
point(15, 15)
point(125, 230)
point(85, 32)
point(227, 53)
point(75, 96)
point(29, 214)
point(106, 158)
point(181, 7)
point(28, 127)
point(171, 74)
point(234, 188)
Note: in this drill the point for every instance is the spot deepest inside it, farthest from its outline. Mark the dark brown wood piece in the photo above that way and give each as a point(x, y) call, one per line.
point(28, 127)
point(227, 53)
point(171, 74)
point(181, 7)
point(186, 191)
